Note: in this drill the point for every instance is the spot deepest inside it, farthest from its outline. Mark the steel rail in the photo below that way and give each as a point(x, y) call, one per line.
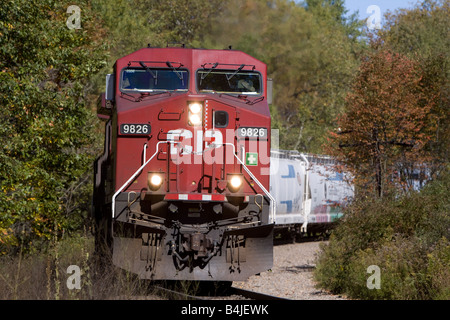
point(177, 295)
point(253, 295)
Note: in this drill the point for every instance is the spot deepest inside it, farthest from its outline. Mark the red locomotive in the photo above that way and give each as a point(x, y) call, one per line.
point(180, 192)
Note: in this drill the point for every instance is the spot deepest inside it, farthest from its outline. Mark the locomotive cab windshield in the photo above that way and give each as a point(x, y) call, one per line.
point(229, 81)
point(153, 79)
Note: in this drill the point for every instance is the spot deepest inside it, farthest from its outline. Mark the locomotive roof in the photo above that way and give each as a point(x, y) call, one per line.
point(193, 59)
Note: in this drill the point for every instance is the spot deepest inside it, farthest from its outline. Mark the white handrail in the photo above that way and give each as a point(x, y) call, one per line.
point(306, 210)
point(144, 154)
point(113, 204)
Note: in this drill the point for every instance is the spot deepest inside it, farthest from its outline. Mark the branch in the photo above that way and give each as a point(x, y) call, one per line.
point(390, 142)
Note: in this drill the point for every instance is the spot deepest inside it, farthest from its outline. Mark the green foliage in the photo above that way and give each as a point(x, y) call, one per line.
point(45, 127)
point(421, 30)
point(134, 24)
point(181, 21)
point(407, 237)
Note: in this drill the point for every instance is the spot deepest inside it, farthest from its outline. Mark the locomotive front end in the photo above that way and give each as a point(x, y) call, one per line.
point(181, 191)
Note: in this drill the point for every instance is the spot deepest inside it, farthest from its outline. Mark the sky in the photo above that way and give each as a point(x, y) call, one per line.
point(384, 5)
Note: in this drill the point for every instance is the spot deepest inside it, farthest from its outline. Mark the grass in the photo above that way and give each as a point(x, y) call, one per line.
point(51, 274)
point(46, 275)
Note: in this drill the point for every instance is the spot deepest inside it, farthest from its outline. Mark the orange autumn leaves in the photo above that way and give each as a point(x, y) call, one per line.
point(387, 120)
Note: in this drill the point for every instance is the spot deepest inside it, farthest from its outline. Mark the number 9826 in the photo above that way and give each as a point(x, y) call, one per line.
point(137, 129)
point(249, 132)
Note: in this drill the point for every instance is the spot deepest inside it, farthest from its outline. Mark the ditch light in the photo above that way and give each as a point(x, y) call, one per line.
point(195, 113)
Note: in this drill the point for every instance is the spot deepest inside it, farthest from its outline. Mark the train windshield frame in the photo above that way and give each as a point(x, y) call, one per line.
point(229, 81)
point(135, 79)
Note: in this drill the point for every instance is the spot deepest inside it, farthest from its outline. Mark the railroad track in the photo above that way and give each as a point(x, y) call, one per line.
point(230, 293)
point(253, 295)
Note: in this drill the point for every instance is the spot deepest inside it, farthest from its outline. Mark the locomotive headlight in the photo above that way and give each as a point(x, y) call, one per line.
point(235, 182)
point(154, 180)
point(195, 113)
point(195, 120)
point(195, 107)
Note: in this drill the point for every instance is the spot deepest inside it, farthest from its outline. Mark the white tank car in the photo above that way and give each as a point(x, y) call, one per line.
point(331, 190)
point(307, 189)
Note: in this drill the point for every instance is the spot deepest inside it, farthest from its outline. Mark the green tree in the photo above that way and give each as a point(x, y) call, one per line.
point(45, 124)
point(134, 24)
point(181, 21)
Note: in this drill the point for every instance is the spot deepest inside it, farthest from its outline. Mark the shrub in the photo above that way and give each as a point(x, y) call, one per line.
point(406, 237)
point(402, 264)
point(439, 271)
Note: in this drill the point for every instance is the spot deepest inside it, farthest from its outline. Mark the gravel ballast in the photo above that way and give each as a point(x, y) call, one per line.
point(291, 276)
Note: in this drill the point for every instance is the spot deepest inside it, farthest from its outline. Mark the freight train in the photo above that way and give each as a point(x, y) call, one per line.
point(187, 187)
point(181, 189)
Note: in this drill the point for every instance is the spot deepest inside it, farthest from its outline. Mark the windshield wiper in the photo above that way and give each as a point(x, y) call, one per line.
point(143, 65)
point(209, 71)
point(235, 73)
point(180, 76)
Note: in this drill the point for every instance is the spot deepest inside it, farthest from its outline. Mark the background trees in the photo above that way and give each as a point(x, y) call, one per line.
point(385, 125)
point(395, 125)
point(45, 127)
point(423, 34)
point(395, 122)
